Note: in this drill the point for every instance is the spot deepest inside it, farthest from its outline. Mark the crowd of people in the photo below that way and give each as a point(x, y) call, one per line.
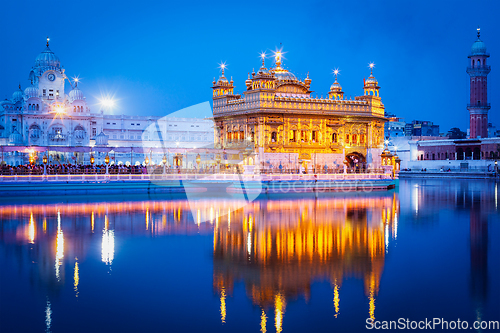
point(58, 169)
point(64, 169)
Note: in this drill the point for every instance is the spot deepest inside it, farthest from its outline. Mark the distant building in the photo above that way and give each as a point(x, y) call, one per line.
point(421, 128)
point(395, 127)
point(492, 131)
point(434, 153)
point(44, 116)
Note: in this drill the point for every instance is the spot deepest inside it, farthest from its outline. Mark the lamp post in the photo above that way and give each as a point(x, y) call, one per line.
point(106, 160)
point(164, 160)
point(146, 161)
point(44, 164)
point(198, 160)
point(217, 160)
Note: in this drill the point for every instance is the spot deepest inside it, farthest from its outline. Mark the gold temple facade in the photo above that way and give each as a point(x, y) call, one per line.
point(279, 120)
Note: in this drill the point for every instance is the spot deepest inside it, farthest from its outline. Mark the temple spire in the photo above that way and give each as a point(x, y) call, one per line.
point(371, 68)
point(478, 32)
point(336, 72)
point(222, 66)
point(48, 41)
point(263, 57)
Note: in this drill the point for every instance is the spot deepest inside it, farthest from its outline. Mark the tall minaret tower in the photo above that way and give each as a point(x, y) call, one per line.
point(478, 107)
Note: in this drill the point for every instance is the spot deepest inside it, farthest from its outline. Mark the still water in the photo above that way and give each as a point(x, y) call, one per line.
point(280, 263)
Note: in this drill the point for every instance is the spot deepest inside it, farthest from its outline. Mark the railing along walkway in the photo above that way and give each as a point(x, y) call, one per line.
point(218, 177)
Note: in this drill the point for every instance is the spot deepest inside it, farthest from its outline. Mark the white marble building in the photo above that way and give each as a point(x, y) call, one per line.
point(43, 114)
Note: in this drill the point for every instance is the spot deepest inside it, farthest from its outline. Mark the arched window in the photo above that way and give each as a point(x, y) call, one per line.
point(478, 63)
point(472, 63)
point(274, 137)
point(37, 107)
point(354, 138)
point(347, 138)
point(334, 137)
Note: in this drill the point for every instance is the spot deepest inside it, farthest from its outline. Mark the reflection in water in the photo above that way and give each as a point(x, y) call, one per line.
point(223, 305)
point(108, 246)
point(48, 316)
point(263, 322)
point(278, 248)
point(336, 298)
point(32, 230)
point(59, 246)
point(478, 255)
point(76, 278)
point(279, 310)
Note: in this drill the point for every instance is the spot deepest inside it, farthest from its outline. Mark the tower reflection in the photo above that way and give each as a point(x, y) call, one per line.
point(278, 248)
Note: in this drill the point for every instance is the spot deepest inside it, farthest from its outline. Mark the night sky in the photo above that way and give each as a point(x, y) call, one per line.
point(159, 57)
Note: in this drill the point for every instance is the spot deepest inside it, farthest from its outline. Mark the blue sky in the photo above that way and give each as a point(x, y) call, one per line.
point(158, 57)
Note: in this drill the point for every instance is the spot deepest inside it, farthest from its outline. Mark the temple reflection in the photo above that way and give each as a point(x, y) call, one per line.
point(278, 248)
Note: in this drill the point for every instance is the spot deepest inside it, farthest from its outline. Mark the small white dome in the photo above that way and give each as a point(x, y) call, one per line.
point(76, 94)
point(371, 80)
point(30, 92)
point(17, 95)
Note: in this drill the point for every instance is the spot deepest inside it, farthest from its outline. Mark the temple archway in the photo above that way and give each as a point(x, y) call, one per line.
point(355, 161)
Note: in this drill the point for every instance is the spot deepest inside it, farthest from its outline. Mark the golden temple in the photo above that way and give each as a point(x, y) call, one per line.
point(279, 121)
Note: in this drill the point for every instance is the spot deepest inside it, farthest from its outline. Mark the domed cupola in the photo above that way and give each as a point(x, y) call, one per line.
point(263, 69)
point(15, 138)
point(76, 94)
point(47, 58)
point(222, 87)
point(30, 92)
point(248, 82)
point(336, 89)
point(17, 95)
point(222, 79)
point(280, 73)
point(371, 84)
point(478, 48)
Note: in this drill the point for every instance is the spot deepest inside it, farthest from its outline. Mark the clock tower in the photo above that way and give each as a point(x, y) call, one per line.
point(49, 76)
